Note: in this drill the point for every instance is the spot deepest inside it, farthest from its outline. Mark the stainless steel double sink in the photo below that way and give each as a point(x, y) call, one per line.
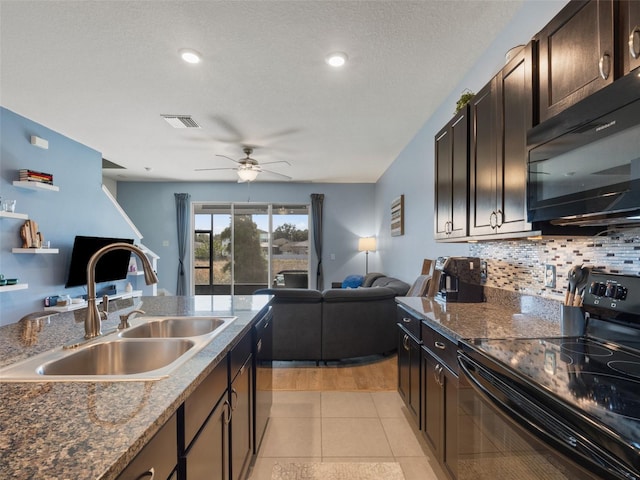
point(149, 350)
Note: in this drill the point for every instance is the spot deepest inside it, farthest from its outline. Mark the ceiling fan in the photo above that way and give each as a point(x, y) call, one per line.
point(249, 168)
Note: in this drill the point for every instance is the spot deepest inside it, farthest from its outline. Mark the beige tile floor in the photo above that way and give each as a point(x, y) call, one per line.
point(343, 427)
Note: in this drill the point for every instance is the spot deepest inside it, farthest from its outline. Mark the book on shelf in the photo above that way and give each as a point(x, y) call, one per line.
point(33, 176)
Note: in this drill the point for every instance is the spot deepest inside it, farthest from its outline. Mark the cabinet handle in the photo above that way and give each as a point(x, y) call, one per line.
point(234, 393)
point(493, 220)
point(405, 342)
point(634, 43)
point(227, 409)
point(440, 345)
point(148, 475)
point(259, 346)
point(499, 218)
point(604, 65)
point(406, 320)
point(437, 374)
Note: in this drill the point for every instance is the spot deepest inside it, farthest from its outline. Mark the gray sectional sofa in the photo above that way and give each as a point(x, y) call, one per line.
point(336, 323)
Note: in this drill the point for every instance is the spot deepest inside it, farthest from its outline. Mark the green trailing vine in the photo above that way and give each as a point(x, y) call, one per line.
point(465, 98)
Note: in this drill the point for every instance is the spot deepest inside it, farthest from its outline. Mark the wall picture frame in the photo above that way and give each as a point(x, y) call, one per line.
point(397, 216)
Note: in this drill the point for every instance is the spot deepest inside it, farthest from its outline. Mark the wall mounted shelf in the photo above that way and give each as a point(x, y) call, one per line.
point(17, 286)
point(78, 306)
point(35, 250)
point(19, 216)
point(35, 185)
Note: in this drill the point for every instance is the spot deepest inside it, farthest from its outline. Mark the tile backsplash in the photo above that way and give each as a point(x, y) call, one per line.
point(519, 265)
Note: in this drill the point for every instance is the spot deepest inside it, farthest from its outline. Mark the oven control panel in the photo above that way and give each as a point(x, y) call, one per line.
point(614, 292)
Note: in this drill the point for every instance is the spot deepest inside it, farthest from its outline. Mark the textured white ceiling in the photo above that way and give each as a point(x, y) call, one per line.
point(102, 73)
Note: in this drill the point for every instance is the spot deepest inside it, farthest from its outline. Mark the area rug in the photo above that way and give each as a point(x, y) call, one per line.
point(337, 471)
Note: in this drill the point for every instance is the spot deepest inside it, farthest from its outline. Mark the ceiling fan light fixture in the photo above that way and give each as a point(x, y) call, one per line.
point(247, 174)
point(336, 59)
point(190, 56)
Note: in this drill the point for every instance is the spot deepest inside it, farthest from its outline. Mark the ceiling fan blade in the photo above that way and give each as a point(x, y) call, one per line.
point(209, 169)
point(278, 161)
point(277, 174)
point(229, 158)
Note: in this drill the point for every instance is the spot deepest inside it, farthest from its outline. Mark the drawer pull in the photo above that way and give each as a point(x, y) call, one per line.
point(634, 43)
point(148, 475)
point(406, 320)
point(259, 346)
point(440, 345)
point(405, 342)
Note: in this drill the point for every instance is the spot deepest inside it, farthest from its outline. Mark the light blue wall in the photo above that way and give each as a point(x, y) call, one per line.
point(412, 173)
point(79, 208)
point(348, 215)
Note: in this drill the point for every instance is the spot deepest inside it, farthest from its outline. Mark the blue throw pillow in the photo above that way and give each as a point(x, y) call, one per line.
point(352, 281)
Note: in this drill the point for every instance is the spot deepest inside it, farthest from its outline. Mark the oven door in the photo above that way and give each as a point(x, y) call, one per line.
point(502, 433)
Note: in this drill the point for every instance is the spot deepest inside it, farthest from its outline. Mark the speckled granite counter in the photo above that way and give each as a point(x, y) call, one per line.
point(77, 430)
point(500, 317)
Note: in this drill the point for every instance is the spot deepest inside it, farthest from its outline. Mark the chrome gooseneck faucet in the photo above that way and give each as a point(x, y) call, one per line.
point(92, 327)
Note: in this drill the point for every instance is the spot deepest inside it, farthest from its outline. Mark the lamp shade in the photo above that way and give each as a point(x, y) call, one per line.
point(367, 244)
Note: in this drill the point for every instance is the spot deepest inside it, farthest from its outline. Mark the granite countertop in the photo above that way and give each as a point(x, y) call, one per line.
point(92, 430)
point(503, 316)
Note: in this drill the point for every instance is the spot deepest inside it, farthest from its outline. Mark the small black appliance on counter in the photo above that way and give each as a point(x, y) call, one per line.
point(458, 279)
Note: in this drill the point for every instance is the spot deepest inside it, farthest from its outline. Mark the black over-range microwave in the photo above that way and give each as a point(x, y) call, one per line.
point(584, 164)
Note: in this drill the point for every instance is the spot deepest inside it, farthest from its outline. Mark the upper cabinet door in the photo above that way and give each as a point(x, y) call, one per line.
point(501, 115)
point(576, 54)
point(483, 168)
point(452, 168)
point(630, 34)
point(515, 118)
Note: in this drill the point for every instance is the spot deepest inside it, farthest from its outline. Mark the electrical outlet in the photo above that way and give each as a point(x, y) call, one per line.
point(483, 271)
point(550, 276)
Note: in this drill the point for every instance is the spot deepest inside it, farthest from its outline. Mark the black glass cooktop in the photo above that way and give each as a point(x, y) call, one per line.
point(601, 378)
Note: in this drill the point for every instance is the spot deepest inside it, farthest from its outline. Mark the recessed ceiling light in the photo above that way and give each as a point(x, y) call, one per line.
point(336, 59)
point(190, 56)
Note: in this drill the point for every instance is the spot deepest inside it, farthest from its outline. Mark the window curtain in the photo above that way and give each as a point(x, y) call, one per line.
point(317, 200)
point(182, 220)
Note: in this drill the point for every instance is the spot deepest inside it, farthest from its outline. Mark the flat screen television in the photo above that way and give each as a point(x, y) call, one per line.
point(112, 266)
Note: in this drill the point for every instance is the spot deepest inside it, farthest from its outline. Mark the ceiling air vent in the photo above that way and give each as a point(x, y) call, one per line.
point(109, 164)
point(180, 121)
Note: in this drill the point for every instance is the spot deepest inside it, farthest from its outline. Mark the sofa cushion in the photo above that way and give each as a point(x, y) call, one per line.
point(352, 281)
point(335, 295)
point(398, 286)
point(369, 278)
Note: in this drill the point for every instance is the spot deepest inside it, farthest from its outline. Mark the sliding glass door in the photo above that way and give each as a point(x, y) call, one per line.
point(239, 248)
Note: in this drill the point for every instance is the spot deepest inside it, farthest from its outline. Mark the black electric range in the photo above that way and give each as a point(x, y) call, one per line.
point(588, 385)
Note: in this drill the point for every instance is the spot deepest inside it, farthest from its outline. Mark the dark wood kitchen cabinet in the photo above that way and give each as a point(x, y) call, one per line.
point(451, 182)
point(576, 54)
point(409, 361)
point(158, 459)
point(501, 115)
point(263, 376)
point(439, 423)
point(241, 401)
point(206, 417)
point(630, 34)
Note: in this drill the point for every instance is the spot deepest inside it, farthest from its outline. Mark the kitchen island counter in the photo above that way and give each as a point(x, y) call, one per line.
point(92, 430)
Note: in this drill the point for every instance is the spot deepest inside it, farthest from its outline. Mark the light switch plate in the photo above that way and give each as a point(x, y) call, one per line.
point(550, 276)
